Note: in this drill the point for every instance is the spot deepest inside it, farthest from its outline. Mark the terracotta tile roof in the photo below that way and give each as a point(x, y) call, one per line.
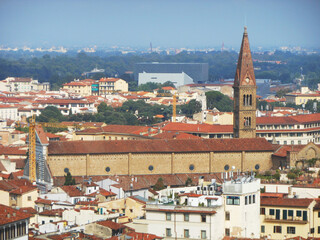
point(111, 225)
point(19, 186)
point(199, 128)
point(29, 210)
point(53, 212)
point(72, 191)
point(282, 151)
point(159, 145)
point(42, 135)
point(109, 79)
point(273, 195)
point(10, 215)
point(175, 135)
point(8, 150)
point(106, 193)
point(286, 202)
point(23, 189)
point(61, 236)
point(44, 201)
point(117, 129)
point(16, 175)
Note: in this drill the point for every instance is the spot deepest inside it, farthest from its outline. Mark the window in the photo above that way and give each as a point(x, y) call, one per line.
point(298, 213)
point(227, 216)
point(186, 233)
point(168, 216)
point(168, 232)
point(227, 231)
point(284, 214)
point(305, 216)
point(191, 167)
point(290, 213)
point(263, 229)
point(277, 229)
point(311, 230)
point(29, 198)
point(319, 229)
point(246, 200)
point(262, 211)
point(318, 214)
point(203, 234)
point(186, 217)
point(291, 230)
point(203, 218)
point(250, 199)
point(253, 198)
point(233, 200)
point(271, 211)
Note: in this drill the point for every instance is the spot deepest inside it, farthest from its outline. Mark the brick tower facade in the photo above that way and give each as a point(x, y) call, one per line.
point(244, 120)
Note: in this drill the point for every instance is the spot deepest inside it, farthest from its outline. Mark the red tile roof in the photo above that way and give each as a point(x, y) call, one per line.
point(109, 79)
point(18, 186)
point(53, 212)
point(116, 129)
point(42, 135)
point(159, 145)
point(286, 202)
point(175, 135)
point(10, 215)
point(111, 225)
point(72, 191)
point(203, 128)
point(8, 150)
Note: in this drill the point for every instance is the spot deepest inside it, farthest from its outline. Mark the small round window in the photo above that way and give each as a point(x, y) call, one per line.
point(150, 168)
point(191, 167)
point(257, 166)
point(66, 170)
point(107, 169)
point(226, 167)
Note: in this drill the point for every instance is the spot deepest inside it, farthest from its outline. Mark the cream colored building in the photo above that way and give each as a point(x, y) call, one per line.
point(77, 87)
point(302, 96)
point(111, 85)
point(132, 207)
point(289, 217)
point(15, 84)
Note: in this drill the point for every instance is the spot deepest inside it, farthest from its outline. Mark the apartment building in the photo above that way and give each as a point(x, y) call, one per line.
point(289, 217)
point(302, 96)
point(111, 85)
point(77, 87)
point(16, 84)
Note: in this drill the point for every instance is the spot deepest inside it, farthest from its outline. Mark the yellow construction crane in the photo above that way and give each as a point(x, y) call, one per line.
point(32, 145)
point(174, 108)
point(32, 149)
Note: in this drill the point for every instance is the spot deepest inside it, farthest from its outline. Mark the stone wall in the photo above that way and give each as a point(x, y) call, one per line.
point(157, 163)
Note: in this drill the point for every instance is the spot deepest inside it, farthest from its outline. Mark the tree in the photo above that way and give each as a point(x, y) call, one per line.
point(220, 101)
point(191, 108)
point(188, 181)
point(159, 185)
point(50, 114)
point(69, 180)
point(103, 107)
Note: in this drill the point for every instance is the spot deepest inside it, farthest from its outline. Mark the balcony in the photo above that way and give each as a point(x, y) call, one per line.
point(297, 220)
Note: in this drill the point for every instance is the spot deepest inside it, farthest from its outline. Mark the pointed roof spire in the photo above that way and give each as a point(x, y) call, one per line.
point(245, 72)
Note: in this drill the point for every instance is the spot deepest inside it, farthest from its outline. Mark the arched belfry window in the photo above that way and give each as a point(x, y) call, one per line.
point(247, 121)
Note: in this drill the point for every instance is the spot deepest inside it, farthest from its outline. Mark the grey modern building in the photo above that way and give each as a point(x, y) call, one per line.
point(198, 72)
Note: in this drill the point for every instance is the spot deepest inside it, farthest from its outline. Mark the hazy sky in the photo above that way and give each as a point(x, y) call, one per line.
point(165, 23)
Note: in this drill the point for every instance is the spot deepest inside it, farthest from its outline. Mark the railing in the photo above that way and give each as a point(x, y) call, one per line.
point(272, 218)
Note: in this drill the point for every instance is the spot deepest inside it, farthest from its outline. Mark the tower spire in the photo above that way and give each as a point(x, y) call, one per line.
point(245, 65)
point(244, 120)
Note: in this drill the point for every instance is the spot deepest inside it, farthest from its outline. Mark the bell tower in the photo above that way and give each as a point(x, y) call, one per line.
point(244, 86)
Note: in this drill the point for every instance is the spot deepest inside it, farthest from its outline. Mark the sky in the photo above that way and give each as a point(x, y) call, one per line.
point(165, 23)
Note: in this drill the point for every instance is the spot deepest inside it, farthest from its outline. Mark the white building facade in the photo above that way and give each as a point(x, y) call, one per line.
point(178, 79)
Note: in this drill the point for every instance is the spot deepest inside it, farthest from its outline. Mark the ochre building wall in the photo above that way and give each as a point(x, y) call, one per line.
point(157, 163)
